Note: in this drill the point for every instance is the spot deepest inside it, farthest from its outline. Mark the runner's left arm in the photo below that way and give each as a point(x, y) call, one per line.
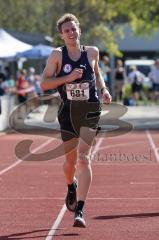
point(100, 80)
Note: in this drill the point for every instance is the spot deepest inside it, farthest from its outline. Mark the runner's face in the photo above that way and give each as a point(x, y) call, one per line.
point(70, 32)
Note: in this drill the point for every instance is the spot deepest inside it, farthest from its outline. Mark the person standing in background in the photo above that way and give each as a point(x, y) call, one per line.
point(154, 77)
point(119, 80)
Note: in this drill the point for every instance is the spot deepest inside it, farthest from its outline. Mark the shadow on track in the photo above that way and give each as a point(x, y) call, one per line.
point(136, 215)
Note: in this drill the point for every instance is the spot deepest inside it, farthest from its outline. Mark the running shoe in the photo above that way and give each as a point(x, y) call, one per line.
point(71, 199)
point(79, 220)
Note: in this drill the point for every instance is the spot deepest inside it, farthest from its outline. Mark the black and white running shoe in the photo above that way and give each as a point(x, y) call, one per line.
point(71, 198)
point(79, 220)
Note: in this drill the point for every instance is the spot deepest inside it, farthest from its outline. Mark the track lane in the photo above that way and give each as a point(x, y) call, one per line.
point(116, 209)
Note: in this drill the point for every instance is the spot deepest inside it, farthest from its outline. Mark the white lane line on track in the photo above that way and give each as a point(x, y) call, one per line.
point(125, 198)
point(61, 214)
point(125, 164)
point(10, 167)
point(19, 161)
point(97, 145)
point(152, 144)
point(121, 145)
point(62, 211)
point(143, 183)
point(56, 223)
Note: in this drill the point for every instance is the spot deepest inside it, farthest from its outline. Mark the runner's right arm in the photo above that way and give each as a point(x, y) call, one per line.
point(49, 79)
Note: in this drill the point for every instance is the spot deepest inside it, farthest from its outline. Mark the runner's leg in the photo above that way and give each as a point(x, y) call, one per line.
point(84, 162)
point(69, 165)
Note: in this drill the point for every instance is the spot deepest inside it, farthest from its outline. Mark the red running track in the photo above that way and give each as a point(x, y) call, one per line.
point(123, 202)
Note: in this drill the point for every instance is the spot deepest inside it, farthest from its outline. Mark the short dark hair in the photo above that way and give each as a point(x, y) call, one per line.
point(67, 17)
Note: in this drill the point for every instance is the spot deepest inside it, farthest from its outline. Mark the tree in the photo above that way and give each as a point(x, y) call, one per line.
point(98, 18)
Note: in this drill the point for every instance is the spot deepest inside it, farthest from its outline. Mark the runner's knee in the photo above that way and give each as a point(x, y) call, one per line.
point(85, 159)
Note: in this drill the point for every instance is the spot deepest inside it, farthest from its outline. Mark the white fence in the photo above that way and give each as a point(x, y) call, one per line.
point(7, 104)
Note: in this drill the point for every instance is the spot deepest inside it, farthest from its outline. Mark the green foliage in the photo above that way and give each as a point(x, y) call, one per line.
point(97, 18)
point(127, 90)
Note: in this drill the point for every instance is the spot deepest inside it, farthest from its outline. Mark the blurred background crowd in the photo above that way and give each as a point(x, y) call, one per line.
point(130, 84)
point(133, 82)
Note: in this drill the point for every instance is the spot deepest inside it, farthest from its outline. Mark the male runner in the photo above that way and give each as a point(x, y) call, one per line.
point(73, 70)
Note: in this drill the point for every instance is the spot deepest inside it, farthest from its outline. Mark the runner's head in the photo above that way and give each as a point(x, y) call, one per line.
point(69, 28)
point(67, 17)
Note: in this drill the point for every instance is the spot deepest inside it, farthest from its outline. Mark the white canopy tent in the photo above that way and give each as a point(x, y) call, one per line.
point(10, 46)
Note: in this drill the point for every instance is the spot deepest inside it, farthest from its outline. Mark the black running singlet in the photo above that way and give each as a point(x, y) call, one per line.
point(80, 89)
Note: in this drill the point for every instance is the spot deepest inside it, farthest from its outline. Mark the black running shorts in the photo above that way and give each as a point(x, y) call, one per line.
point(73, 115)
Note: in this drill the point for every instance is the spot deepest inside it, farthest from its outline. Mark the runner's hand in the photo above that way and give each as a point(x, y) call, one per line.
point(107, 98)
point(75, 74)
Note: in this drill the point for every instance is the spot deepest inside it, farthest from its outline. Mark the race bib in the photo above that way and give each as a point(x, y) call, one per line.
point(77, 91)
